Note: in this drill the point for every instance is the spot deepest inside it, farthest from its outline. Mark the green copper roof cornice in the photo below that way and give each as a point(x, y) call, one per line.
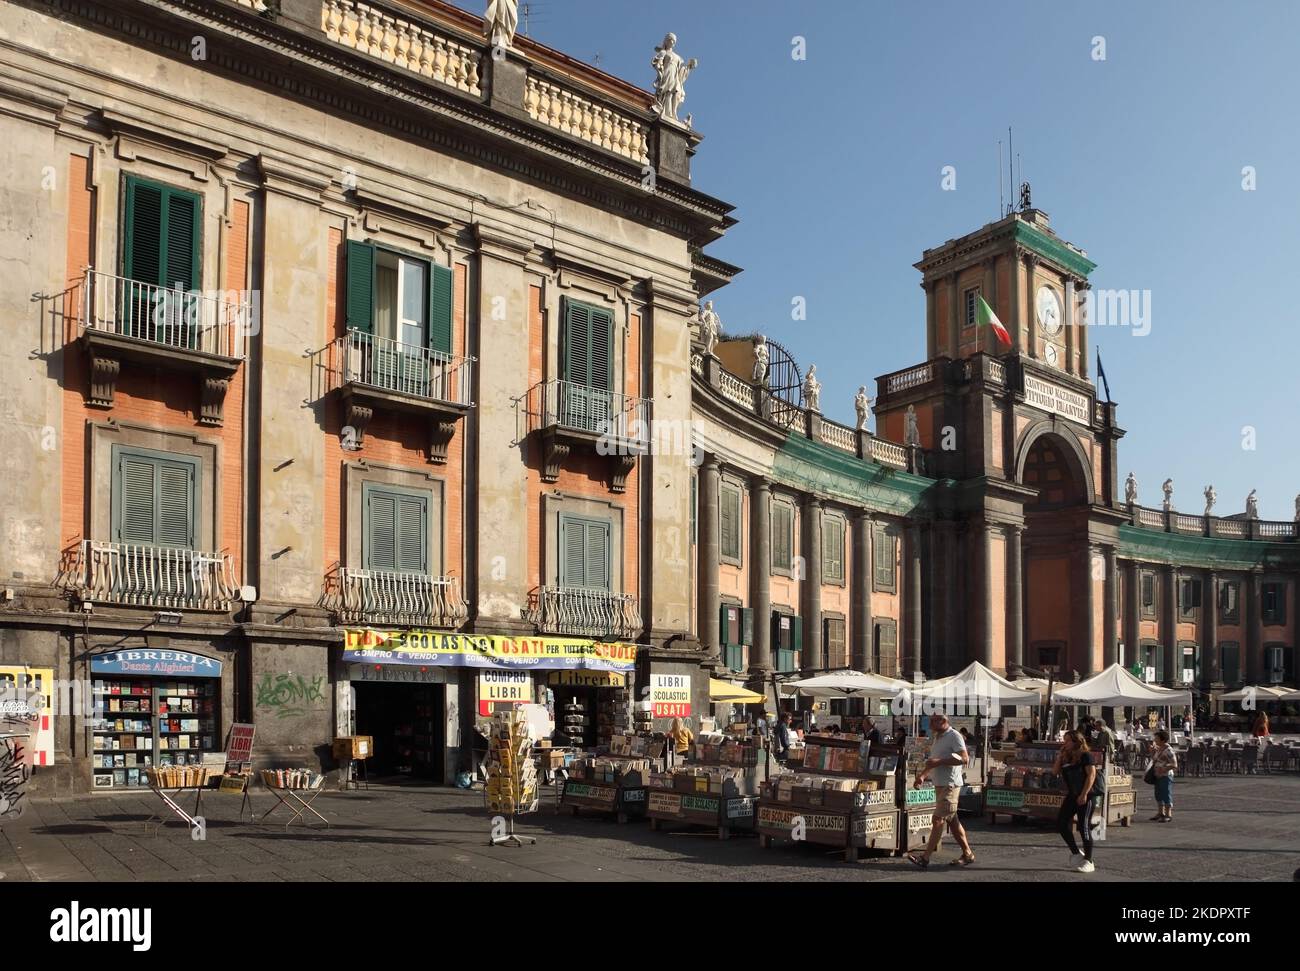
point(821, 469)
point(1053, 249)
point(1204, 551)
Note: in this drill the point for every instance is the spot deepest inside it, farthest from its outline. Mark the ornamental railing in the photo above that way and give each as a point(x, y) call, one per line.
point(568, 111)
point(398, 597)
point(403, 43)
point(131, 574)
point(173, 317)
point(585, 613)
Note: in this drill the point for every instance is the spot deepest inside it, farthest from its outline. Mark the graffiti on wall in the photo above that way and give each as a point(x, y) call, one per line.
point(20, 712)
point(290, 695)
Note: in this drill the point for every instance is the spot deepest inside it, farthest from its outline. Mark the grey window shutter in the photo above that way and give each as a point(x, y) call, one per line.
point(782, 527)
point(602, 364)
point(382, 531)
point(573, 553)
point(411, 529)
point(577, 343)
point(175, 505)
point(729, 521)
point(598, 566)
point(137, 505)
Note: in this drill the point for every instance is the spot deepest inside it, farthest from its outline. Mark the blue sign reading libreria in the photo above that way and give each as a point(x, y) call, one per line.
point(156, 663)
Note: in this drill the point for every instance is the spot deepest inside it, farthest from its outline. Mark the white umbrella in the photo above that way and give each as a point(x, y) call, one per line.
point(846, 684)
point(1259, 693)
point(976, 684)
point(1290, 694)
point(1116, 687)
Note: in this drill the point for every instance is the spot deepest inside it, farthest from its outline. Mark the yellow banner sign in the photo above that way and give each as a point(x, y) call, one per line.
point(425, 647)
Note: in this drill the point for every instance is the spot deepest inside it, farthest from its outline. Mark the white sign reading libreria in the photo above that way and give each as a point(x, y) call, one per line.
point(1059, 401)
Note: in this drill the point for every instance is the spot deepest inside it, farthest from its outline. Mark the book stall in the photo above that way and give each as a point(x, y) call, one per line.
point(169, 782)
point(843, 796)
point(614, 781)
point(1023, 785)
point(512, 774)
point(716, 787)
point(295, 789)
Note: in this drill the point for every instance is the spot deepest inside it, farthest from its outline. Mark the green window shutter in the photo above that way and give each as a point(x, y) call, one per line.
point(411, 529)
point(144, 247)
point(597, 556)
point(175, 505)
point(584, 553)
point(396, 530)
point(576, 366)
point(360, 299)
point(796, 633)
point(725, 634)
point(381, 531)
point(162, 239)
point(882, 558)
point(440, 302)
point(602, 351)
point(832, 549)
point(154, 499)
point(782, 530)
point(747, 626)
point(137, 505)
point(729, 521)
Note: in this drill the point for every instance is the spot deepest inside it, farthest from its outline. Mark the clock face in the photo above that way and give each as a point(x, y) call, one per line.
point(1048, 306)
point(1053, 355)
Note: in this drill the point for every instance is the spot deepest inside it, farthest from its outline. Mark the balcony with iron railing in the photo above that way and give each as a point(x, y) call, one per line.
point(124, 320)
point(582, 612)
point(568, 415)
point(400, 598)
point(133, 575)
point(381, 374)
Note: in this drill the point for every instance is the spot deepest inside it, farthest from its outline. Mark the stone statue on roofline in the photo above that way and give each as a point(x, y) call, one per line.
point(1131, 489)
point(1168, 489)
point(812, 390)
point(501, 21)
point(911, 427)
point(1252, 505)
point(710, 328)
point(671, 73)
point(760, 360)
point(862, 404)
point(1210, 497)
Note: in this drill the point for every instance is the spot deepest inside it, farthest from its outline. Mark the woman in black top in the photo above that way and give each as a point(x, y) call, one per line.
point(1075, 764)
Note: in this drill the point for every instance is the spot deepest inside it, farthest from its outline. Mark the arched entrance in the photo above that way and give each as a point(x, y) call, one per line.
point(1059, 601)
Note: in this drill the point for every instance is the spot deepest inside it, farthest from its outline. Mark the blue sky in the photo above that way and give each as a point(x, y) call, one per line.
point(834, 166)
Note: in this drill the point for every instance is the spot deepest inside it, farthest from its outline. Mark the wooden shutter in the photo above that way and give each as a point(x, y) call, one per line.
point(882, 558)
point(782, 530)
point(832, 548)
point(381, 508)
point(597, 565)
point(360, 298)
point(729, 521)
point(154, 501)
point(602, 351)
point(725, 633)
point(411, 530)
point(587, 346)
point(836, 642)
point(162, 235)
point(440, 303)
point(396, 531)
point(138, 502)
point(584, 553)
point(796, 633)
point(747, 626)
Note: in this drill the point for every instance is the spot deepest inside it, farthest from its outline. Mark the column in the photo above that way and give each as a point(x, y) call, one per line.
point(1088, 626)
point(912, 597)
point(1254, 631)
point(984, 608)
point(1109, 634)
point(860, 593)
point(955, 312)
point(1213, 669)
point(709, 557)
point(1169, 626)
point(1081, 334)
point(1015, 603)
point(760, 571)
point(1132, 613)
point(1029, 319)
point(811, 585)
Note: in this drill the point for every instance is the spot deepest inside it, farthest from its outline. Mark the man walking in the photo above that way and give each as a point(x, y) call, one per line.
point(947, 756)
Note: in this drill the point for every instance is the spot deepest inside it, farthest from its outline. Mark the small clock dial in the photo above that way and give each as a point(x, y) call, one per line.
point(1053, 355)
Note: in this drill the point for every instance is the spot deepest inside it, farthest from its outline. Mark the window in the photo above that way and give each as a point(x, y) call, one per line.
point(398, 297)
point(161, 248)
point(155, 498)
point(884, 556)
point(395, 529)
point(1148, 583)
point(1230, 663)
point(1152, 656)
point(1189, 595)
point(970, 302)
point(1276, 668)
point(884, 648)
point(835, 638)
point(586, 366)
point(782, 537)
point(832, 549)
point(584, 553)
point(729, 522)
point(1272, 603)
point(1186, 673)
point(1049, 655)
point(1229, 594)
point(787, 639)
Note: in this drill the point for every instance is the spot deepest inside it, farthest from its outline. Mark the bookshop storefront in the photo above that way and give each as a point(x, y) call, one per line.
point(418, 693)
point(152, 707)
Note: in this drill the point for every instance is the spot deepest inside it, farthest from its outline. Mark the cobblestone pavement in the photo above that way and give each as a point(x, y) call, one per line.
point(1229, 828)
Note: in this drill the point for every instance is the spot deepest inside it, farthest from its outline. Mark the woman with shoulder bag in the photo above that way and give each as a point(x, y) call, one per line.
point(1164, 762)
point(1075, 764)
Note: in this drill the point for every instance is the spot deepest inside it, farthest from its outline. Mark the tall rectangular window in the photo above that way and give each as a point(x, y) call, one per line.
point(832, 549)
point(729, 522)
point(1189, 595)
point(398, 297)
point(782, 537)
point(161, 241)
point(1272, 603)
point(1148, 584)
point(155, 498)
point(836, 640)
point(884, 648)
point(395, 529)
point(1229, 595)
point(970, 306)
point(585, 553)
point(1275, 666)
point(1230, 663)
point(884, 557)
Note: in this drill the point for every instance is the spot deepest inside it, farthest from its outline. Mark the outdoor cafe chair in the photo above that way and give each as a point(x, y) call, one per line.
point(1250, 759)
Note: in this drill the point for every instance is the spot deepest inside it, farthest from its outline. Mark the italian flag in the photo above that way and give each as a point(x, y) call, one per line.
point(984, 315)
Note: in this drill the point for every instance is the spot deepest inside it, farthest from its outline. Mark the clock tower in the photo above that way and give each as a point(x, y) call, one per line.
point(1022, 547)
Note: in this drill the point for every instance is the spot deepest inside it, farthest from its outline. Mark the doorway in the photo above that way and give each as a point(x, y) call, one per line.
point(406, 723)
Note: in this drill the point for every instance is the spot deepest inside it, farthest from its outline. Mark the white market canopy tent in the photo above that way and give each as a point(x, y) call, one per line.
point(977, 684)
point(1033, 684)
point(846, 684)
point(1260, 693)
point(1116, 687)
